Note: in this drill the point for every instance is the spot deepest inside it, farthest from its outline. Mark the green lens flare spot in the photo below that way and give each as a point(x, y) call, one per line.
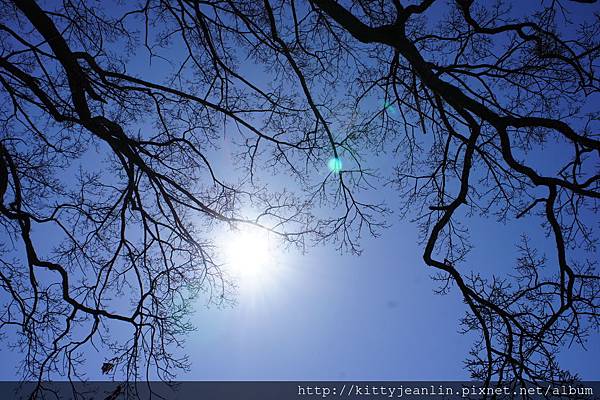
point(335, 165)
point(389, 108)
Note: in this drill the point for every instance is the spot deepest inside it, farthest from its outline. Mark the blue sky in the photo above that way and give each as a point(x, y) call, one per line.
point(329, 316)
point(343, 317)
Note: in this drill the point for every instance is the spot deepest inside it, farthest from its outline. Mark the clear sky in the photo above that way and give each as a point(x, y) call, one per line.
point(326, 316)
point(330, 316)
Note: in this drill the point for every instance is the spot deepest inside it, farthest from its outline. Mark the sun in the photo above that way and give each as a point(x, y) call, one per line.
point(249, 253)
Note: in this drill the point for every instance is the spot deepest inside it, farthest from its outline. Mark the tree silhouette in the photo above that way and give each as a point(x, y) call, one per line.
point(109, 161)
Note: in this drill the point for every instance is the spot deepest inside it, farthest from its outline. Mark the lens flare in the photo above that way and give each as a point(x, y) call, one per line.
point(390, 108)
point(335, 165)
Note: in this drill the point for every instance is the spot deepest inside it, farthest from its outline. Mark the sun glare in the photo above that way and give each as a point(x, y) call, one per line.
point(249, 254)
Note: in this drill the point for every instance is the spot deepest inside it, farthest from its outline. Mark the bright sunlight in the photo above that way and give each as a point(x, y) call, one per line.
point(249, 254)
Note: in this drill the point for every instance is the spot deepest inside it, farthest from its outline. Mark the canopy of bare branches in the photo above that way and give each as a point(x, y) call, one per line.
point(111, 116)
